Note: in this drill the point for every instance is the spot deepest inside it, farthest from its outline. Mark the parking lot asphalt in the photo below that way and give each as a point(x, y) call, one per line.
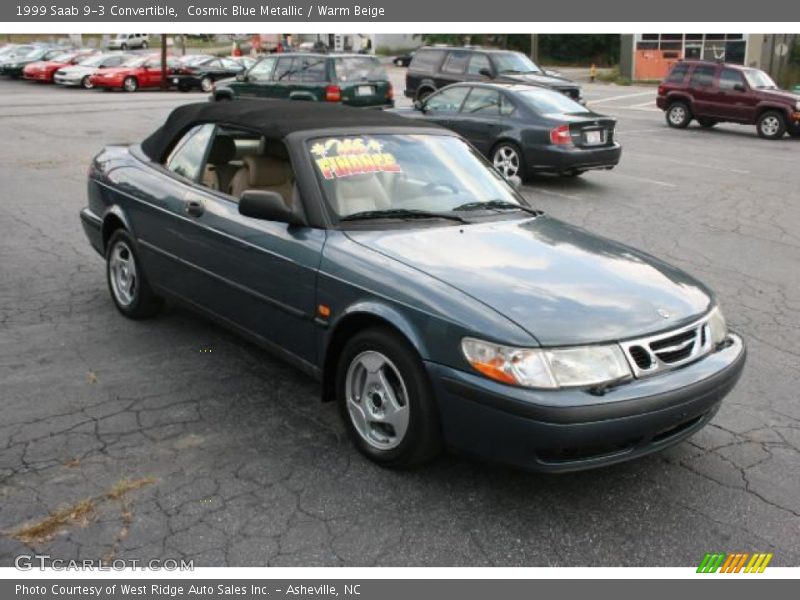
point(171, 438)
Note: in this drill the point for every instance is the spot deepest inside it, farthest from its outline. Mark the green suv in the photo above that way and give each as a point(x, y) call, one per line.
point(351, 79)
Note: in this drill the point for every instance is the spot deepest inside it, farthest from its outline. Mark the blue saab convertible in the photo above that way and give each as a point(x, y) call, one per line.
point(390, 260)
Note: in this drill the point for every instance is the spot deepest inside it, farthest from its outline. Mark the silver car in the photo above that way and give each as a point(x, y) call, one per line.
point(129, 41)
point(80, 74)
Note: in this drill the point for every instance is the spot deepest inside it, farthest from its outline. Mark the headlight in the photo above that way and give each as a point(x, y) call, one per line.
point(548, 368)
point(718, 329)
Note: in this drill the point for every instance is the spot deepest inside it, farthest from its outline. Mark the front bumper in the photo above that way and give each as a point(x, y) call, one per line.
point(564, 159)
point(66, 79)
point(93, 228)
point(573, 429)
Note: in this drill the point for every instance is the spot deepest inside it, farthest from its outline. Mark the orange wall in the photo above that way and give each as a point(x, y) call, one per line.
point(651, 64)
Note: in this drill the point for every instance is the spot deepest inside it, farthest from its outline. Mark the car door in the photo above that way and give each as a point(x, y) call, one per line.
point(453, 68)
point(478, 67)
point(480, 120)
point(257, 80)
point(281, 85)
point(736, 102)
point(704, 93)
point(443, 106)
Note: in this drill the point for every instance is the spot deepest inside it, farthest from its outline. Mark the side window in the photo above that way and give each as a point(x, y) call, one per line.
point(477, 62)
point(283, 71)
point(678, 73)
point(313, 69)
point(447, 101)
point(507, 107)
point(729, 79)
point(455, 63)
point(187, 157)
point(426, 60)
point(703, 76)
point(213, 64)
point(227, 63)
point(262, 70)
point(482, 102)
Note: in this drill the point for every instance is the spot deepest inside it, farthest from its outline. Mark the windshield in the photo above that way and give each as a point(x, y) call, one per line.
point(403, 172)
point(36, 53)
point(514, 62)
point(759, 79)
point(64, 57)
point(546, 102)
point(356, 68)
point(92, 60)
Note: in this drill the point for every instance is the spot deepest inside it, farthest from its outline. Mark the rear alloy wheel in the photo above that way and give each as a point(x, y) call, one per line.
point(707, 123)
point(385, 400)
point(507, 159)
point(771, 125)
point(127, 283)
point(130, 84)
point(678, 115)
point(207, 84)
point(86, 83)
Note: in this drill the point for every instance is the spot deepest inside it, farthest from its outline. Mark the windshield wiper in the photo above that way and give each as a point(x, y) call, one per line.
point(499, 205)
point(401, 213)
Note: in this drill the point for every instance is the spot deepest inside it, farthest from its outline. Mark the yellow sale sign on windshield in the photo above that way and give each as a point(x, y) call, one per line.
point(346, 157)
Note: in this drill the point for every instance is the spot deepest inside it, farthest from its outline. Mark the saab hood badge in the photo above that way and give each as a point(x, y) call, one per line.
point(664, 314)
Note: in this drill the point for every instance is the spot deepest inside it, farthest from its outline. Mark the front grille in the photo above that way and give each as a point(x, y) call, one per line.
point(668, 350)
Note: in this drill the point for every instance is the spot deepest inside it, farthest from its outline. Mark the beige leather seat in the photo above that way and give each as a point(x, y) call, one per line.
point(219, 172)
point(264, 173)
point(359, 193)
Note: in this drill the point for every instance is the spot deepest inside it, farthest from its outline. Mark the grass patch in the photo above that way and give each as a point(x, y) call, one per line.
point(79, 514)
point(613, 76)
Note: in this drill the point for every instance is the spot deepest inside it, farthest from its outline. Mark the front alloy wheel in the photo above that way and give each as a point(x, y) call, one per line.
point(207, 84)
point(507, 160)
point(130, 84)
point(385, 400)
point(86, 83)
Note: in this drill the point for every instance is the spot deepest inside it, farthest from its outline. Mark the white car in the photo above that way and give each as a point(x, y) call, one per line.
point(129, 41)
point(80, 74)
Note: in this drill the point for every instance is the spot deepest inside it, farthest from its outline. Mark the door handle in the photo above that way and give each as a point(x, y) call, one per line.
point(195, 208)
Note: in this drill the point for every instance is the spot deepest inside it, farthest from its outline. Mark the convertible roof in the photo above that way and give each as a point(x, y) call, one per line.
point(275, 119)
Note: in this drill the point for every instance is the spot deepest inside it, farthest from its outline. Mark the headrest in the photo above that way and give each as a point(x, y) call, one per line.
point(275, 149)
point(223, 150)
point(266, 171)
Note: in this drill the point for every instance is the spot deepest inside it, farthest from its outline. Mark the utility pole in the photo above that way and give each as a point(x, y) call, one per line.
point(163, 61)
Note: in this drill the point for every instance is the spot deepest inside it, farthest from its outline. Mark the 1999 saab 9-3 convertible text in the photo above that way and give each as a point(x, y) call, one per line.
point(388, 259)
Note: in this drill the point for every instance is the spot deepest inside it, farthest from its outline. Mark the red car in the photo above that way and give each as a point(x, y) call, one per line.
point(44, 70)
point(135, 73)
point(711, 93)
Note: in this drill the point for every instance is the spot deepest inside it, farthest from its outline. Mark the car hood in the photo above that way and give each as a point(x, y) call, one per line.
point(559, 283)
point(539, 79)
point(779, 95)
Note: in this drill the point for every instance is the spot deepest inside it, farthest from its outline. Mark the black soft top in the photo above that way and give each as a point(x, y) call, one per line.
point(275, 119)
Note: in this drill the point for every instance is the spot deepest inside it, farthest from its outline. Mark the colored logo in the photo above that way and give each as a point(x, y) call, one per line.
point(738, 562)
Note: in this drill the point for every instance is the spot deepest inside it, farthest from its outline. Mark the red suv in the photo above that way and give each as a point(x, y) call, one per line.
point(713, 92)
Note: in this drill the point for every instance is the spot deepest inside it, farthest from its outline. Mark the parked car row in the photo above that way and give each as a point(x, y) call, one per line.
point(88, 68)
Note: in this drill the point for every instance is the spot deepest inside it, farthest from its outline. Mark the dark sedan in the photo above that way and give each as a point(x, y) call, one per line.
point(200, 74)
point(386, 258)
point(14, 65)
point(524, 130)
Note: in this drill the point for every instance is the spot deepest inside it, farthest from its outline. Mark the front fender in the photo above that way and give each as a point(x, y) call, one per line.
point(388, 313)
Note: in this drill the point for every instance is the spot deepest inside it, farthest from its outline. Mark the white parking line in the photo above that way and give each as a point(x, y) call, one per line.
point(698, 164)
point(547, 192)
point(626, 96)
point(643, 179)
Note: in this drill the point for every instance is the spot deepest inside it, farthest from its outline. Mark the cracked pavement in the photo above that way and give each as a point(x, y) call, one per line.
point(249, 468)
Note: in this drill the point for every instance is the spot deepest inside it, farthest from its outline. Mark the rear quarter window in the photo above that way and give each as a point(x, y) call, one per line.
point(359, 68)
point(678, 74)
point(426, 60)
point(702, 76)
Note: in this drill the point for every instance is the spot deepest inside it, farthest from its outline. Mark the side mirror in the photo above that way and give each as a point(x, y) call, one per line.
point(486, 72)
point(241, 76)
point(515, 181)
point(418, 105)
point(267, 206)
point(739, 87)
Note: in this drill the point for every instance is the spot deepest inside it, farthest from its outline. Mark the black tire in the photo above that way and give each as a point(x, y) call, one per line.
point(424, 93)
point(143, 301)
point(678, 115)
point(86, 84)
point(706, 123)
point(422, 439)
point(771, 125)
point(509, 147)
point(794, 130)
point(130, 84)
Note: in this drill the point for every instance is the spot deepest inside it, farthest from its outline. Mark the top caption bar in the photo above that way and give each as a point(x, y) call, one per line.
point(333, 11)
